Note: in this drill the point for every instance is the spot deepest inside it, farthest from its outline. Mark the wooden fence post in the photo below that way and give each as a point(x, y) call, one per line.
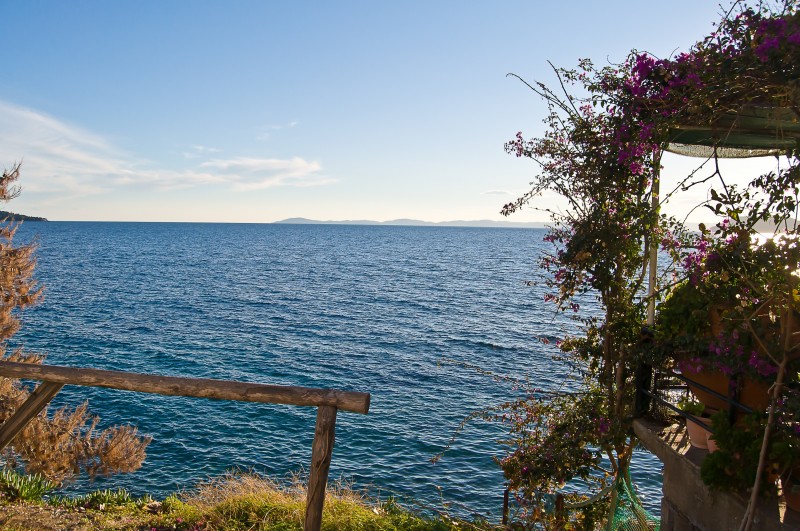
point(505, 506)
point(198, 387)
point(327, 401)
point(36, 402)
point(321, 453)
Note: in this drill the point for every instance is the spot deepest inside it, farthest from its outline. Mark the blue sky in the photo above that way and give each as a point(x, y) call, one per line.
point(252, 111)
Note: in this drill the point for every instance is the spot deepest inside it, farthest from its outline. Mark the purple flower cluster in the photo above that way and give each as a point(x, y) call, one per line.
point(774, 35)
point(670, 241)
point(692, 365)
point(657, 79)
point(730, 356)
point(761, 365)
point(693, 261)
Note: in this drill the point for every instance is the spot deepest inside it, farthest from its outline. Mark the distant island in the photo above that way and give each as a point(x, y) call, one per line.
point(419, 223)
point(13, 216)
point(765, 227)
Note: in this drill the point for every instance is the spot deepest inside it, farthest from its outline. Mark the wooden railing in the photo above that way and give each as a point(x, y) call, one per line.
point(327, 402)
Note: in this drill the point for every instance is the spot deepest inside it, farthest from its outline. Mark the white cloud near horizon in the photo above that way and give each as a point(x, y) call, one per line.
point(64, 162)
point(58, 158)
point(247, 173)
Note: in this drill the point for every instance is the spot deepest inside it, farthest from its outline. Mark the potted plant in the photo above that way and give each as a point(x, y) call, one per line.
point(734, 465)
point(725, 321)
point(683, 333)
point(696, 424)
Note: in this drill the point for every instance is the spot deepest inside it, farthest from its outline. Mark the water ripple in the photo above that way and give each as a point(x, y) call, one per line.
point(372, 309)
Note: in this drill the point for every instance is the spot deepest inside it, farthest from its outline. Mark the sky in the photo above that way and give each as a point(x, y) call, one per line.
point(257, 111)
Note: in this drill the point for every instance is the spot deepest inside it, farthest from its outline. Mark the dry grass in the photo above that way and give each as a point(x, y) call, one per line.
point(254, 500)
point(251, 501)
point(233, 502)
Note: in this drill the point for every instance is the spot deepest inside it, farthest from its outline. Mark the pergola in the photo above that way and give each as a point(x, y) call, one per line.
point(751, 131)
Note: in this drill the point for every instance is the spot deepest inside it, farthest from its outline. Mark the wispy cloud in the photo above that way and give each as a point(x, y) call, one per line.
point(253, 174)
point(496, 192)
point(64, 161)
point(58, 157)
point(197, 151)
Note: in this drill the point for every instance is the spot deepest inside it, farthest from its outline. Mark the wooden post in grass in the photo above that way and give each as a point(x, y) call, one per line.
point(321, 453)
point(327, 402)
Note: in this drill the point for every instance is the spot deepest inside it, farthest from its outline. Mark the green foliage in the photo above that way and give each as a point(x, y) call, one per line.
point(29, 487)
point(683, 316)
point(733, 466)
point(549, 449)
point(105, 498)
point(601, 151)
point(691, 406)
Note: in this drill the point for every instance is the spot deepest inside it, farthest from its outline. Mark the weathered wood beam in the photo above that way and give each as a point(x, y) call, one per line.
point(36, 402)
point(321, 454)
point(196, 387)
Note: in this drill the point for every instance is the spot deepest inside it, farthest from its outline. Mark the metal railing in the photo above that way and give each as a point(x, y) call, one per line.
point(648, 385)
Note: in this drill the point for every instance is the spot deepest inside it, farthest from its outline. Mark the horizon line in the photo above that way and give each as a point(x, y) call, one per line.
point(306, 221)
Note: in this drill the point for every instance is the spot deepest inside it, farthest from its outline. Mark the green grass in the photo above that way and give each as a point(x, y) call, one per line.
point(239, 502)
point(29, 487)
point(247, 501)
point(98, 499)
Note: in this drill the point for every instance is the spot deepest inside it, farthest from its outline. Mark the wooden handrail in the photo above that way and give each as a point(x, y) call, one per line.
point(197, 387)
point(327, 401)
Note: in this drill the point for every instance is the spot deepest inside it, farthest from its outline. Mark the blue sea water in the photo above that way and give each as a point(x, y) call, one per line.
point(399, 312)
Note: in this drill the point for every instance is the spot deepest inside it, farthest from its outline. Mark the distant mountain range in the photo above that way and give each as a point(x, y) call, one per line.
point(761, 226)
point(13, 216)
point(418, 223)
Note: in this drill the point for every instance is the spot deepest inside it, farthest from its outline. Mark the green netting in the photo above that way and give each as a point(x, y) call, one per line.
point(750, 131)
point(627, 512)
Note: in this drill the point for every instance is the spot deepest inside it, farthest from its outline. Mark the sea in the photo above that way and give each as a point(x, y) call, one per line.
point(436, 323)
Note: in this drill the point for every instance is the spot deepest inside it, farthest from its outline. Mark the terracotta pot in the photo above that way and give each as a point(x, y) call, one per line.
point(752, 394)
point(714, 380)
point(698, 435)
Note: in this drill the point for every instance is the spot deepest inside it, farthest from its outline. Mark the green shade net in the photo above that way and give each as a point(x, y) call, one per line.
point(752, 131)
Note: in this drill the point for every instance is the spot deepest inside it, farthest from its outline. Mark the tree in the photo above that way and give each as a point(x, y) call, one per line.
point(599, 242)
point(601, 152)
point(66, 442)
